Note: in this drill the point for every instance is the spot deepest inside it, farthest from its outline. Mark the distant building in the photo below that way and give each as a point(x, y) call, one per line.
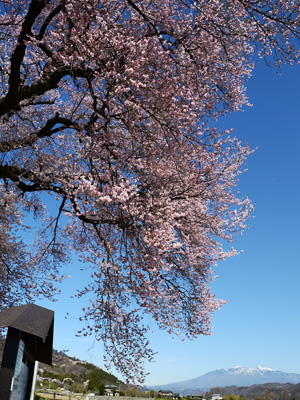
point(165, 393)
point(168, 394)
point(111, 390)
point(216, 396)
point(197, 396)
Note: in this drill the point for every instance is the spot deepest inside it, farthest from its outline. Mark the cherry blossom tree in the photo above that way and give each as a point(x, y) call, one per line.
point(108, 150)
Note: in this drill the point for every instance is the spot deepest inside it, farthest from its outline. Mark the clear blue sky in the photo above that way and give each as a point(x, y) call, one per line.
point(260, 325)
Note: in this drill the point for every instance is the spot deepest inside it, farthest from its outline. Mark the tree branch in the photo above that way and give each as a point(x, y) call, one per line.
point(48, 82)
point(15, 174)
point(36, 6)
point(46, 131)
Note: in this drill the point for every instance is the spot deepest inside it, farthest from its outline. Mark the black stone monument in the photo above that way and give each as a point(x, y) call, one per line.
point(29, 339)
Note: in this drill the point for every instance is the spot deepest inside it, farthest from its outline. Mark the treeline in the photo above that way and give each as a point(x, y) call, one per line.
point(267, 391)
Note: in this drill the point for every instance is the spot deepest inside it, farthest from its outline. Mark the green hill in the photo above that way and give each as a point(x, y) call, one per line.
point(71, 373)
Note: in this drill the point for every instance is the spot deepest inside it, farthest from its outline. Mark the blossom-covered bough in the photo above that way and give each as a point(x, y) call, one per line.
point(107, 110)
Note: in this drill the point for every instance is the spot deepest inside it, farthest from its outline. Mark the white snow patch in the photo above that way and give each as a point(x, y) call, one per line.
point(260, 368)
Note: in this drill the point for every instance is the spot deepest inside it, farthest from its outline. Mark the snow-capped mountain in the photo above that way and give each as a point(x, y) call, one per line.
point(237, 376)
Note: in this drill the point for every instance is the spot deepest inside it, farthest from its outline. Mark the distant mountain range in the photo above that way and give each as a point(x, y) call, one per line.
point(237, 376)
